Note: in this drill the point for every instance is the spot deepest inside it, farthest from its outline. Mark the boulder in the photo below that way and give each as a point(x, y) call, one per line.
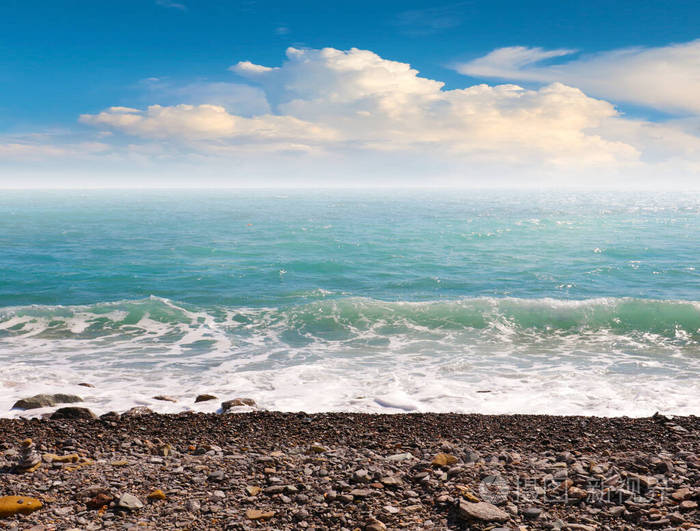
point(38, 401)
point(237, 402)
point(73, 412)
point(204, 398)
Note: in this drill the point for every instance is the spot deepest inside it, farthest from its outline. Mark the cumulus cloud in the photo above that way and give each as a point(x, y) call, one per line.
point(332, 100)
point(665, 78)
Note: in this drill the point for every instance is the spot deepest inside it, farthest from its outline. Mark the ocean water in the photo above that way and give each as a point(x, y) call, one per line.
point(376, 301)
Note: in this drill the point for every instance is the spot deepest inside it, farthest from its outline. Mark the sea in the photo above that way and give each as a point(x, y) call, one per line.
point(572, 302)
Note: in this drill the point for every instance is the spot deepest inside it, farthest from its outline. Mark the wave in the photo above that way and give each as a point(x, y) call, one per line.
point(602, 356)
point(344, 318)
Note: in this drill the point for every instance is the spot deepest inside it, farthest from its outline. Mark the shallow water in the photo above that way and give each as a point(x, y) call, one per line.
point(493, 302)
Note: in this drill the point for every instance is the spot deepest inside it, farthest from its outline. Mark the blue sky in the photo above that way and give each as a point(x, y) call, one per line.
point(63, 60)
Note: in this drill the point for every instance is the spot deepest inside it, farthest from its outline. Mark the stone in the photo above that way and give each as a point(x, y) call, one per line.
point(681, 494)
point(391, 481)
point(253, 490)
point(156, 495)
point(11, 505)
point(164, 398)
point(129, 502)
point(29, 459)
point(576, 493)
point(101, 499)
point(317, 448)
point(237, 402)
point(217, 475)
point(375, 525)
point(204, 398)
point(256, 514)
point(137, 411)
point(399, 457)
point(73, 413)
point(360, 476)
point(360, 493)
point(616, 510)
point(442, 460)
point(69, 458)
point(532, 513)
point(83, 384)
point(38, 401)
point(192, 505)
point(645, 481)
point(481, 511)
point(688, 505)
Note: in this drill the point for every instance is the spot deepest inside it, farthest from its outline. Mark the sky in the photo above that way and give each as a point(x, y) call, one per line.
point(214, 93)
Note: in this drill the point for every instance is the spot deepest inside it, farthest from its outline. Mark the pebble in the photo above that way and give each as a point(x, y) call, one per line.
point(192, 505)
point(443, 460)
point(129, 502)
point(481, 511)
point(532, 513)
point(256, 514)
point(364, 485)
point(156, 494)
point(688, 505)
point(29, 458)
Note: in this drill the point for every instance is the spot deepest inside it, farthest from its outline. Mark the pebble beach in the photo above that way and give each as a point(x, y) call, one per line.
point(344, 471)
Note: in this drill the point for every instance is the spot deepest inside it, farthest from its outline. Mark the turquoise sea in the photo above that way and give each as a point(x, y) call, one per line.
point(573, 302)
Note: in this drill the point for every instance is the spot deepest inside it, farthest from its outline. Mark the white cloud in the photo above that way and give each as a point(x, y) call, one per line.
point(23, 150)
point(204, 122)
point(334, 100)
point(349, 113)
point(665, 78)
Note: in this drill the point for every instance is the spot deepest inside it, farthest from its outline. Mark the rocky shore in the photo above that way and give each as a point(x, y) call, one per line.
point(283, 471)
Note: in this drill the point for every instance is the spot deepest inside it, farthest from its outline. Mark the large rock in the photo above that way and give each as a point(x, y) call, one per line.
point(204, 398)
point(73, 412)
point(237, 402)
point(11, 505)
point(37, 401)
point(481, 511)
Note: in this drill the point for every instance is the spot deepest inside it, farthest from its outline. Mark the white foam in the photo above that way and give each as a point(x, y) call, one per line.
point(413, 367)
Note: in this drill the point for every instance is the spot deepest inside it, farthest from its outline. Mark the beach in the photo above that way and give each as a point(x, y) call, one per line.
point(271, 470)
point(467, 360)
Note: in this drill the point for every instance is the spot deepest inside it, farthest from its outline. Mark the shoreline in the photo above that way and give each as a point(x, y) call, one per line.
point(272, 470)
